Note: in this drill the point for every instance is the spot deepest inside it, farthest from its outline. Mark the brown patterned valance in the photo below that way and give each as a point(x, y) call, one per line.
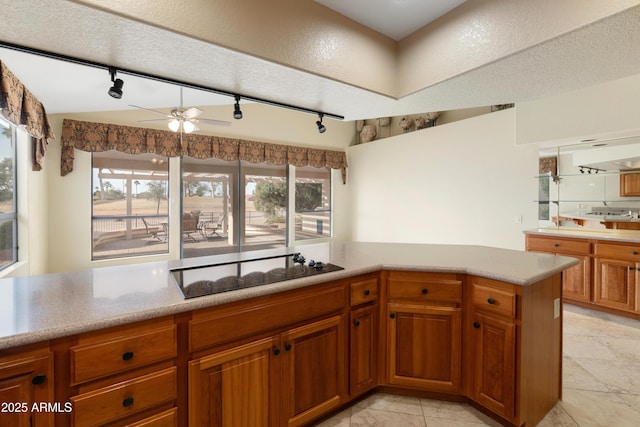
point(22, 108)
point(96, 137)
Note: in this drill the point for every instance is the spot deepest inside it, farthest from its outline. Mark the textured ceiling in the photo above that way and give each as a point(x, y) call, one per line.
point(393, 18)
point(605, 50)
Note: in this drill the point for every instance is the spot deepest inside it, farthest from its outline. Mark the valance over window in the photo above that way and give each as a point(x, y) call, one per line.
point(96, 137)
point(22, 108)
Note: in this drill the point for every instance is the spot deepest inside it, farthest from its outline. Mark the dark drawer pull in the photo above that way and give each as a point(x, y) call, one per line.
point(491, 300)
point(555, 245)
point(424, 291)
point(287, 347)
point(127, 402)
point(276, 351)
point(631, 268)
point(392, 315)
point(39, 379)
point(356, 323)
point(127, 355)
point(635, 252)
point(476, 325)
point(366, 293)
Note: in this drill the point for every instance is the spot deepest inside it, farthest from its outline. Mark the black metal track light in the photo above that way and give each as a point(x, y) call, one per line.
point(237, 114)
point(321, 127)
point(116, 90)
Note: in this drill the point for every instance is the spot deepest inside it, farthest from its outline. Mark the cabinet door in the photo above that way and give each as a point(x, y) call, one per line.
point(363, 350)
point(576, 280)
point(424, 346)
point(314, 374)
point(630, 185)
point(494, 364)
point(615, 283)
point(234, 388)
point(23, 383)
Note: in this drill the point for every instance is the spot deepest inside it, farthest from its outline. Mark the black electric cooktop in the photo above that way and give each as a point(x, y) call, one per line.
point(215, 278)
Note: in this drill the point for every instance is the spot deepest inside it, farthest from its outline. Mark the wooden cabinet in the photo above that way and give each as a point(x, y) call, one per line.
point(289, 368)
point(494, 364)
point(514, 347)
point(617, 268)
point(26, 379)
point(363, 335)
point(314, 370)
point(630, 184)
point(124, 374)
point(235, 387)
point(576, 281)
point(424, 334)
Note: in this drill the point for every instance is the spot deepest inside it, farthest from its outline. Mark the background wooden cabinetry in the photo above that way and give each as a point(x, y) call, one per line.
point(26, 379)
point(630, 185)
point(576, 281)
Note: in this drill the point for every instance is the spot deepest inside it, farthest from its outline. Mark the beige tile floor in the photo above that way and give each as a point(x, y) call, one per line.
point(601, 380)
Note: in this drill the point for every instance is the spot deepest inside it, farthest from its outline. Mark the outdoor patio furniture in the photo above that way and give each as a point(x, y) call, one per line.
point(189, 226)
point(159, 233)
point(209, 229)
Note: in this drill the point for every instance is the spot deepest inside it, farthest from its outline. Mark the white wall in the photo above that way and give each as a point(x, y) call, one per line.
point(460, 183)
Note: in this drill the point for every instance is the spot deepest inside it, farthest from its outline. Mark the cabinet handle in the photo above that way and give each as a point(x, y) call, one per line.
point(128, 355)
point(127, 402)
point(39, 379)
point(491, 301)
point(356, 323)
point(276, 351)
point(367, 292)
point(555, 245)
point(287, 347)
point(476, 325)
point(392, 315)
point(631, 268)
point(424, 291)
point(635, 252)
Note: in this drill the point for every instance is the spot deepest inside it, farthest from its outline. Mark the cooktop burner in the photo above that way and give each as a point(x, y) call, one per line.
point(215, 278)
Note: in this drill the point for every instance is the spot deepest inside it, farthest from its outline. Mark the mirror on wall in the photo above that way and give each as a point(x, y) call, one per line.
point(594, 185)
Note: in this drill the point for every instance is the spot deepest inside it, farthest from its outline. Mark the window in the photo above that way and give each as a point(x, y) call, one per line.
point(8, 214)
point(312, 203)
point(242, 206)
point(130, 209)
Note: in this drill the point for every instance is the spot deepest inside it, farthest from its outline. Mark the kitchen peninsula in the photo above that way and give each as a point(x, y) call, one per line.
point(467, 323)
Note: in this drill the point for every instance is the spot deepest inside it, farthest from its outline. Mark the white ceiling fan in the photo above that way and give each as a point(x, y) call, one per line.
point(183, 120)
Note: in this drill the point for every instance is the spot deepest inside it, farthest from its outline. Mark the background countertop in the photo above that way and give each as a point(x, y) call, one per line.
point(38, 308)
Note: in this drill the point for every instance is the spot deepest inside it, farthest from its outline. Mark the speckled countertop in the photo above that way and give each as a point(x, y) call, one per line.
point(629, 236)
point(38, 308)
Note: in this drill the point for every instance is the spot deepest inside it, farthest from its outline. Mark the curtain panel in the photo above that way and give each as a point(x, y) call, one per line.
point(19, 106)
point(97, 137)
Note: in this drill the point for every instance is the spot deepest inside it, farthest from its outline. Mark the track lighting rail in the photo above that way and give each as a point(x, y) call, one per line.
point(135, 73)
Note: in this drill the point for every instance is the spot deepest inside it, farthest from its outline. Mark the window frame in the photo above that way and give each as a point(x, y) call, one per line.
point(12, 216)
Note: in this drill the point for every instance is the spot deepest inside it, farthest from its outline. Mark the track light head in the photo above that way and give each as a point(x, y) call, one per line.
point(321, 127)
point(237, 114)
point(116, 90)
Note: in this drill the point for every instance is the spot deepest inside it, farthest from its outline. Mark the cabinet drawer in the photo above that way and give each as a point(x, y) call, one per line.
point(621, 252)
point(133, 348)
point(498, 301)
point(558, 245)
point(364, 291)
point(224, 324)
point(444, 290)
point(164, 419)
point(124, 399)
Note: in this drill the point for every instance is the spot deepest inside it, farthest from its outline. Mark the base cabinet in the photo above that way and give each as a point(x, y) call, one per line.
point(615, 283)
point(494, 364)
point(25, 382)
point(288, 379)
point(424, 347)
point(363, 351)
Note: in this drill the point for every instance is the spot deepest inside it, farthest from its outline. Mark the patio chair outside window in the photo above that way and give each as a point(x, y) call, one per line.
point(157, 232)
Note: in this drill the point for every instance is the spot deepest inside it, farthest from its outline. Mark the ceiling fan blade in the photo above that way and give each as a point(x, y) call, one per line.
point(149, 109)
point(215, 122)
point(191, 113)
point(152, 120)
